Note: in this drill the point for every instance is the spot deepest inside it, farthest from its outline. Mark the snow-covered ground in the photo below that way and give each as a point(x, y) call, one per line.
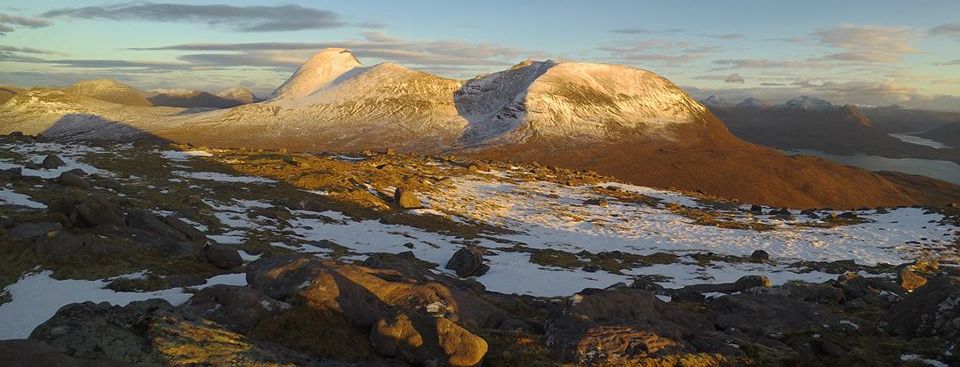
point(38, 296)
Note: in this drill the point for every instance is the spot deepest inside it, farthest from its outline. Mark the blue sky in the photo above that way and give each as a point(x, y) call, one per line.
point(848, 51)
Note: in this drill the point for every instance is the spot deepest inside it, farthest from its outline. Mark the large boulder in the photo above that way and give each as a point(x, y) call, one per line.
point(406, 199)
point(427, 341)
point(52, 161)
point(373, 299)
point(468, 261)
point(73, 180)
point(931, 310)
point(222, 256)
point(765, 314)
point(149, 221)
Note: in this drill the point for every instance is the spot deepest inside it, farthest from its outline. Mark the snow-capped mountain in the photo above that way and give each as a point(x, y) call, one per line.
point(239, 94)
point(616, 120)
point(809, 104)
point(716, 101)
point(752, 103)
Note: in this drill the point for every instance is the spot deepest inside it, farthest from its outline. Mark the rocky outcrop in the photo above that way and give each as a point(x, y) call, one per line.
point(932, 310)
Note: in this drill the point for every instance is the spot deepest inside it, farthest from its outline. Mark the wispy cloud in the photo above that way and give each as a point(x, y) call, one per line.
point(949, 30)
point(436, 55)
point(867, 43)
point(8, 23)
point(655, 51)
point(239, 18)
point(646, 31)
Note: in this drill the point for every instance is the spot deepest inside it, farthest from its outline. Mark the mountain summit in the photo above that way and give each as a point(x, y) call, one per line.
point(321, 69)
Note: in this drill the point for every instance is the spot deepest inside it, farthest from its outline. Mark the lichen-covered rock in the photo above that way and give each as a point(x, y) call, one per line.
point(406, 199)
point(932, 310)
point(222, 256)
point(468, 261)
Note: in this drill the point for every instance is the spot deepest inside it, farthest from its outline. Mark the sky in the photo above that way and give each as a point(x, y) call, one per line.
point(875, 52)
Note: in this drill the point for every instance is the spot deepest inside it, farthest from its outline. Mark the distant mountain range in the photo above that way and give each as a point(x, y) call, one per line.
point(615, 120)
point(813, 123)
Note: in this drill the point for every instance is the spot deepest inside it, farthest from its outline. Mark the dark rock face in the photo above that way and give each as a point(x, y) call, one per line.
point(148, 221)
point(621, 327)
point(32, 353)
point(759, 256)
point(34, 230)
point(52, 161)
point(765, 314)
point(238, 308)
point(932, 310)
point(467, 262)
point(222, 256)
point(101, 331)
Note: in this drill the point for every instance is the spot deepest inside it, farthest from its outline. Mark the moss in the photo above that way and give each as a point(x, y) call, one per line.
point(510, 348)
point(613, 261)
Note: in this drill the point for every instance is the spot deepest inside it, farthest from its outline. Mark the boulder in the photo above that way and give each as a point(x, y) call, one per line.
point(468, 261)
point(759, 256)
point(33, 230)
point(52, 161)
point(222, 256)
point(72, 180)
point(87, 212)
point(427, 341)
point(744, 283)
point(406, 199)
point(910, 280)
point(932, 310)
point(149, 221)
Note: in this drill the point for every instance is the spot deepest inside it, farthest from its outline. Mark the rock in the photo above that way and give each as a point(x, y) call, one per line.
point(601, 202)
point(188, 230)
point(744, 283)
point(32, 353)
point(33, 230)
point(468, 261)
point(72, 180)
point(364, 295)
point(238, 308)
point(752, 281)
point(88, 212)
point(759, 256)
point(427, 341)
point(406, 199)
point(622, 327)
point(765, 314)
point(932, 310)
point(222, 256)
point(756, 208)
point(52, 161)
point(479, 167)
point(910, 280)
point(101, 331)
point(820, 293)
point(149, 221)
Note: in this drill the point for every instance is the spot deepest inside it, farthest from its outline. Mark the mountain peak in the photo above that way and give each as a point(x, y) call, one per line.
point(320, 70)
point(809, 104)
point(240, 94)
point(715, 101)
point(109, 90)
point(752, 103)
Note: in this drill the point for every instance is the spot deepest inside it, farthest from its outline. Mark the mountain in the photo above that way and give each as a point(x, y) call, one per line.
point(6, 93)
point(192, 99)
point(897, 119)
point(239, 94)
point(616, 120)
point(805, 103)
point(715, 101)
point(110, 91)
point(752, 103)
point(948, 134)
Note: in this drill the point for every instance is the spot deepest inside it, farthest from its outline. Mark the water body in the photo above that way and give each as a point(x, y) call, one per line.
point(913, 139)
point(943, 170)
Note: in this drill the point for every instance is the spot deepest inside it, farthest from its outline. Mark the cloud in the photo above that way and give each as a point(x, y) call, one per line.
point(726, 64)
point(8, 23)
point(646, 31)
point(728, 36)
point(948, 30)
point(872, 44)
point(949, 63)
point(656, 51)
point(437, 56)
point(239, 18)
point(734, 78)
